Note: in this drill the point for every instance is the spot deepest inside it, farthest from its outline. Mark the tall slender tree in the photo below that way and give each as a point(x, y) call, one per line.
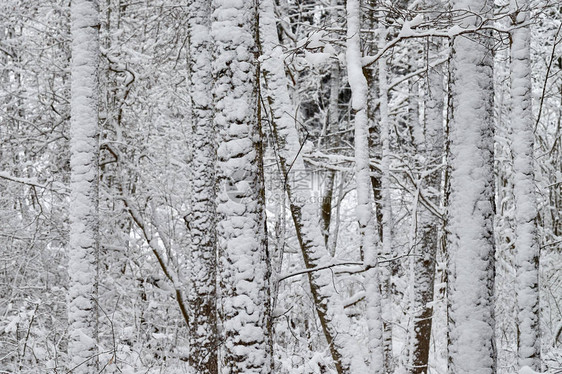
point(84, 220)
point(202, 294)
point(386, 202)
point(526, 239)
point(471, 208)
point(427, 232)
point(243, 263)
point(368, 239)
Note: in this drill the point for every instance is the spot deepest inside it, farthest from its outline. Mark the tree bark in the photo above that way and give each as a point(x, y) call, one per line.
point(202, 295)
point(369, 241)
point(386, 205)
point(471, 208)
point(242, 242)
point(526, 239)
point(84, 176)
point(427, 233)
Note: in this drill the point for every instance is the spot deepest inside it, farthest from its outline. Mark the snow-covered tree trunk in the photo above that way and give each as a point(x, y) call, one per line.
point(471, 207)
point(202, 294)
point(427, 240)
point(329, 305)
point(526, 239)
point(84, 219)
point(368, 236)
point(332, 127)
point(243, 270)
point(385, 203)
point(332, 141)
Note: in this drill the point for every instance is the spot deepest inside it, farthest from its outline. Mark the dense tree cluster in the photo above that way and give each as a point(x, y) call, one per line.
point(280, 186)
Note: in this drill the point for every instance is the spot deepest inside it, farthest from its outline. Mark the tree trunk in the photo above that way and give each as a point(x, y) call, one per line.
point(329, 306)
point(369, 241)
point(427, 233)
point(386, 205)
point(471, 208)
point(243, 257)
point(84, 219)
point(202, 294)
point(526, 239)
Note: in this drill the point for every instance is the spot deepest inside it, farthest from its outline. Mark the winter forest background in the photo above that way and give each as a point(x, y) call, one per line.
point(280, 186)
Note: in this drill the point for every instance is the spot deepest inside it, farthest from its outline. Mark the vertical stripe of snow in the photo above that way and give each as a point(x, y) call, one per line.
point(202, 294)
point(526, 240)
point(365, 215)
point(335, 324)
point(471, 211)
point(243, 259)
point(83, 212)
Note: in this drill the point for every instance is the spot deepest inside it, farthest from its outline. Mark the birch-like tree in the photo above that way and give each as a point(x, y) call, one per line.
point(242, 244)
point(84, 220)
point(202, 294)
point(471, 208)
point(526, 238)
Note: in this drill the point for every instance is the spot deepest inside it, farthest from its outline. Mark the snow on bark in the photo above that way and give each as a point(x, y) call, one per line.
point(202, 294)
point(526, 239)
point(427, 240)
point(84, 220)
point(330, 238)
point(385, 203)
point(329, 305)
point(330, 127)
point(365, 215)
point(242, 246)
point(470, 238)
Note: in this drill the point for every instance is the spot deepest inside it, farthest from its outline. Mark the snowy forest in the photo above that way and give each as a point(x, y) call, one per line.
point(280, 186)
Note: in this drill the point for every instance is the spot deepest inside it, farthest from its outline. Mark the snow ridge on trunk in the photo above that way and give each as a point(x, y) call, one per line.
point(526, 240)
point(471, 208)
point(84, 176)
point(243, 258)
point(202, 295)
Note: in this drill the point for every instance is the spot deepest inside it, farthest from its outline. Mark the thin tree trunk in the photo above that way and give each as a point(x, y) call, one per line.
point(330, 140)
point(84, 219)
point(366, 218)
point(202, 294)
point(427, 240)
point(386, 206)
point(526, 240)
